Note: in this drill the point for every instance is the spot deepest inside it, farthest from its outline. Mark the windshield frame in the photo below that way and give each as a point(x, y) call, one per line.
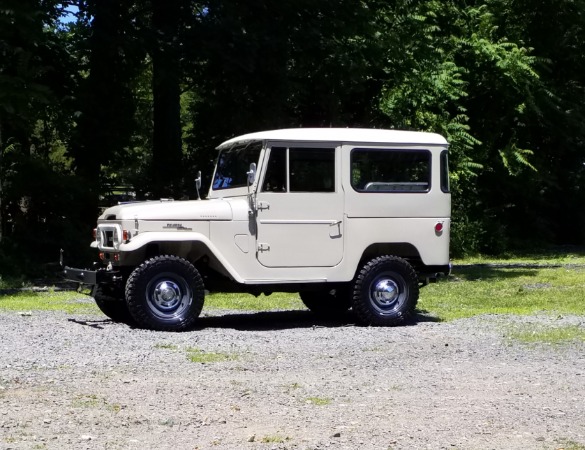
point(232, 165)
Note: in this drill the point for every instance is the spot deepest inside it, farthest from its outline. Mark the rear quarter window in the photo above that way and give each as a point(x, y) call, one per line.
point(390, 170)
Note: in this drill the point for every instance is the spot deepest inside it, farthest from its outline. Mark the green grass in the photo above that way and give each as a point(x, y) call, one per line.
point(197, 355)
point(543, 283)
point(475, 290)
point(319, 401)
point(274, 439)
point(543, 258)
point(566, 444)
point(47, 301)
point(538, 334)
point(247, 302)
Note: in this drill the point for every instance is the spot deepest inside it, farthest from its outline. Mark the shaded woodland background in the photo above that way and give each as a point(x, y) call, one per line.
point(138, 94)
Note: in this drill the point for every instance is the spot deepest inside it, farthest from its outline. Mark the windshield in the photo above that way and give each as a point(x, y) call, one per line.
point(233, 164)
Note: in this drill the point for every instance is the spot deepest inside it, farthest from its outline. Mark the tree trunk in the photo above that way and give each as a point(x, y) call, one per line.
point(167, 167)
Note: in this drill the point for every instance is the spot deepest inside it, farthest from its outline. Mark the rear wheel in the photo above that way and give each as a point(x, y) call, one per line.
point(385, 292)
point(165, 293)
point(328, 302)
point(110, 301)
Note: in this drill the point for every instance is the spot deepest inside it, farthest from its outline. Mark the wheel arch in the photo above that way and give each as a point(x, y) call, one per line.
point(404, 250)
point(194, 247)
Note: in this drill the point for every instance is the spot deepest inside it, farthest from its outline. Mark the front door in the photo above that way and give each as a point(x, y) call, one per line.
point(300, 208)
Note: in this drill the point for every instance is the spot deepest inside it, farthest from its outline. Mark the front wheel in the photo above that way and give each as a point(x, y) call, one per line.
point(385, 292)
point(165, 293)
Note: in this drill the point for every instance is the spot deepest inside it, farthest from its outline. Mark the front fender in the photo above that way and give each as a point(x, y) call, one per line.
point(143, 239)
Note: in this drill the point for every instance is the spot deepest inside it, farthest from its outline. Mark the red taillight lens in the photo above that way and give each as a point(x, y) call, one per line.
point(94, 234)
point(126, 235)
point(439, 227)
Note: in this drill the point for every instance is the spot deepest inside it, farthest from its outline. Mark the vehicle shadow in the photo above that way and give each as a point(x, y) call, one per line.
point(267, 321)
point(284, 320)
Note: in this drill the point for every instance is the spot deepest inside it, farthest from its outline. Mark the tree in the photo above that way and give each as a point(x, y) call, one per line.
point(167, 153)
point(451, 71)
point(105, 98)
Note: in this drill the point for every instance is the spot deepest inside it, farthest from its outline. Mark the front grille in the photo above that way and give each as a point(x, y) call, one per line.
point(109, 236)
point(109, 241)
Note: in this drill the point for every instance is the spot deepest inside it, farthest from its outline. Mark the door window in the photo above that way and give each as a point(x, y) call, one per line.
point(308, 170)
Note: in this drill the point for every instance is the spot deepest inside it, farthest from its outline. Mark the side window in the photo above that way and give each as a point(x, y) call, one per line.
point(275, 178)
point(445, 187)
point(312, 169)
point(390, 170)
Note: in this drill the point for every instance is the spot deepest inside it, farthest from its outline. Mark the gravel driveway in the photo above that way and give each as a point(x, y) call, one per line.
point(283, 380)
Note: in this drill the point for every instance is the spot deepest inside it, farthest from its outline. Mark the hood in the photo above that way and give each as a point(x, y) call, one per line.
point(171, 210)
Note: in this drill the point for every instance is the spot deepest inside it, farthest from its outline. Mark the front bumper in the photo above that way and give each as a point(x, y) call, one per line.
point(93, 277)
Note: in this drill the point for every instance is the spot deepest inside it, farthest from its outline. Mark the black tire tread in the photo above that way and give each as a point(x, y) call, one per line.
point(135, 293)
point(112, 304)
point(363, 312)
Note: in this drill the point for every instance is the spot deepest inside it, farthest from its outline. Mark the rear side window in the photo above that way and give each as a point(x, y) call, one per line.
point(390, 170)
point(445, 187)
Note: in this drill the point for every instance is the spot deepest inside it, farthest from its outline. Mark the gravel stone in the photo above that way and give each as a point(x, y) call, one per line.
point(286, 380)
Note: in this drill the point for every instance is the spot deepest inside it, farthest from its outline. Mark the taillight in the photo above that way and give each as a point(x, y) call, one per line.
point(439, 227)
point(94, 234)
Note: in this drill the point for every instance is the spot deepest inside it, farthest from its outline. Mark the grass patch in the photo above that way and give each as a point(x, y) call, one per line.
point(47, 301)
point(197, 355)
point(274, 439)
point(247, 302)
point(570, 445)
point(166, 346)
point(319, 401)
point(87, 401)
point(540, 334)
point(543, 258)
point(475, 290)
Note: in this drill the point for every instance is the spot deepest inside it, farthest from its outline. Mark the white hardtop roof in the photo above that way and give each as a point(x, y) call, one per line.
point(357, 135)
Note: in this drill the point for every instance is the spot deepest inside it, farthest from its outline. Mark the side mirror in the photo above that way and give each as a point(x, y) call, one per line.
point(251, 174)
point(198, 184)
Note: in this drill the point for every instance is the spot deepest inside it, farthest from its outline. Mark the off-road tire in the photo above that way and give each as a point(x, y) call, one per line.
point(165, 293)
point(328, 303)
point(385, 292)
point(110, 301)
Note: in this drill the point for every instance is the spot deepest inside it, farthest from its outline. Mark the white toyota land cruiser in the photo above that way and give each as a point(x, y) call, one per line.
point(349, 218)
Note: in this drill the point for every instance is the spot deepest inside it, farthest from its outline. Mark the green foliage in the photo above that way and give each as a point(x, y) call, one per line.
point(101, 102)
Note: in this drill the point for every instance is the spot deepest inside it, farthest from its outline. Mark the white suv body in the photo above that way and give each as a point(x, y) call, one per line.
point(311, 210)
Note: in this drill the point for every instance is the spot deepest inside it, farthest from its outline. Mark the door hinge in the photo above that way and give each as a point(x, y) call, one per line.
point(262, 247)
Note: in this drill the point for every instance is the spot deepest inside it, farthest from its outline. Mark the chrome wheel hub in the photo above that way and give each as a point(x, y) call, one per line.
point(386, 294)
point(166, 295)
